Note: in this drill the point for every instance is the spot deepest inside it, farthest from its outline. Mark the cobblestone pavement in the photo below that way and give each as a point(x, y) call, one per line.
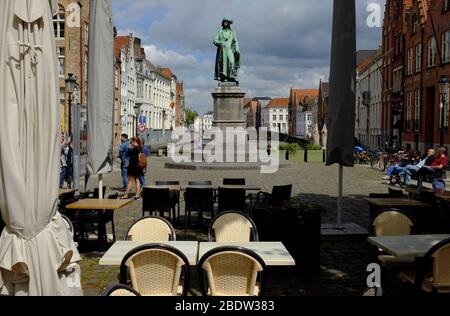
point(343, 259)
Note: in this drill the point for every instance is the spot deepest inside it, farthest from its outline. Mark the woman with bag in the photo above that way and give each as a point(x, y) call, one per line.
point(135, 169)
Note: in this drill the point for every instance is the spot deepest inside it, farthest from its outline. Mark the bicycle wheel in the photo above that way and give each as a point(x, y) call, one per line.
point(374, 161)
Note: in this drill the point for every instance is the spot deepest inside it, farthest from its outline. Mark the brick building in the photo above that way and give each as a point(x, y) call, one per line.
point(322, 102)
point(427, 37)
point(298, 98)
point(71, 25)
point(393, 70)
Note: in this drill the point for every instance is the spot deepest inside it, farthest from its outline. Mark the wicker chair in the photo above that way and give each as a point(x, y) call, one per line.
point(231, 271)
point(151, 229)
point(156, 270)
point(121, 290)
point(279, 198)
point(232, 227)
point(174, 196)
point(391, 222)
point(232, 199)
point(373, 291)
point(432, 273)
point(200, 200)
point(157, 201)
point(234, 181)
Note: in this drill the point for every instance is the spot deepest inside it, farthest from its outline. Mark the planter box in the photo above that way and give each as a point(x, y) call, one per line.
point(298, 227)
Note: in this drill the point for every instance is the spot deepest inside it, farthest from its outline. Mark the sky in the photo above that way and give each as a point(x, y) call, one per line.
point(284, 43)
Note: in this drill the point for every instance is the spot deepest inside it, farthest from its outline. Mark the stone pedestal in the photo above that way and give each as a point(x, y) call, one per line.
point(228, 106)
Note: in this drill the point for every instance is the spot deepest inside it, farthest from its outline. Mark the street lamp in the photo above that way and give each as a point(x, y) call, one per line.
point(70, 86)
point(137, 111)
point(443, 87)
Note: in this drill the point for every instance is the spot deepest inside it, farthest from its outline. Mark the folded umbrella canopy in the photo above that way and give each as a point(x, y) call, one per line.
point(341, 110)
point(101, 89)
point(37, 253)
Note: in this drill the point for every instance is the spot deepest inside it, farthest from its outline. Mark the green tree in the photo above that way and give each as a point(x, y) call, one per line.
point(190, 117)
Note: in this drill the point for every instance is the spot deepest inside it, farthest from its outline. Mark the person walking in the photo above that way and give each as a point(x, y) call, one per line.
point(146, 152)
point(134, 171)
point(65, 171)
point(124, 160)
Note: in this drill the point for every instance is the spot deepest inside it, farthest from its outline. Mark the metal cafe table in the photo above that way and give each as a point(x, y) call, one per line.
point(100, 206)
point(273, 253)
point(115, 254)
point(407, 246)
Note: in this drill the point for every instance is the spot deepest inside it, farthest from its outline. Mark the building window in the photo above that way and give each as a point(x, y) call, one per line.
point(274, 117)
point(281, 117)
point(410, 62)
point(446, 114)
point(432, 51)
point(60, 52)
point(415, 24)
point(417, 111)
point(59, 23)
point(86, 34)
point(409, 112)
point(418, 57)
point(446, 47)
point(446, 7)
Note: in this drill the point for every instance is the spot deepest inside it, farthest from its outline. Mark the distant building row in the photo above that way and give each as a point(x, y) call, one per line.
point(144, 93)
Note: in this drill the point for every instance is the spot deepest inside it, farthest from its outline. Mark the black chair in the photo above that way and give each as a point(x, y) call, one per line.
point(99, 218)
point(198, 200)
point(396, 194)
point(234, 181)
point(94, 194)
point(174, 195)
point(155, 260)
point(157, 201)
point(211, 261)
point(279, 198)
point(200, 183)
point(232, 199)
point(64, 199)
point(121, 290)
point(224, 221)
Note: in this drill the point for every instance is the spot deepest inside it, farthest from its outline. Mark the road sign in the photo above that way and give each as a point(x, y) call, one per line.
point(143, 120)
point(142, 128)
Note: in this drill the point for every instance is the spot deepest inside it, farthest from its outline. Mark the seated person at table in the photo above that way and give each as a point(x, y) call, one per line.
point(436, 169)
point(410, 170)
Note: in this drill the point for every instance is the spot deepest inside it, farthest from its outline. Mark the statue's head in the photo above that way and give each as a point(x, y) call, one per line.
point(226, 22)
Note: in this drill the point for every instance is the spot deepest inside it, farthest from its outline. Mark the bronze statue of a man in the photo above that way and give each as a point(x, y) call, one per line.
point(228, 53)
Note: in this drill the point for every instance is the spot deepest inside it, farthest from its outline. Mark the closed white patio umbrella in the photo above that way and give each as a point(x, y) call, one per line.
point(101, 90)
point(37, 254)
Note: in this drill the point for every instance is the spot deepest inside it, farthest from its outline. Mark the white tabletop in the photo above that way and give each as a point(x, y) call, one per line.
point(407, 246)
point(273, 253)
point(114, 256)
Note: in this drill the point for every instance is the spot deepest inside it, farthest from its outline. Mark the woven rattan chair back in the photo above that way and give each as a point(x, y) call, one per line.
point(231, 271)
point(121, 290)
point(232, 227)
point(151, 229)
point(441, 267)
point(391, 223)
point(156, 270)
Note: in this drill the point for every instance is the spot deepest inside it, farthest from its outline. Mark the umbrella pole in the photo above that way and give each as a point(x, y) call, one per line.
point(341, 187)
point(100, 187)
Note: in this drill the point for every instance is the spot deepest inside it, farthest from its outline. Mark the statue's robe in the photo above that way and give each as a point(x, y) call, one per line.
point(228, 56)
